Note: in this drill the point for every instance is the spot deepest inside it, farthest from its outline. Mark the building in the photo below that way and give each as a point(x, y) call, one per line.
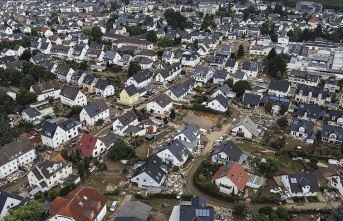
point(160, 105)
point(332, 85)
point(150, 173)
point(103, 88)
point(83, 203)
point(9, 201)
point(189, 136)
point(218, 103)
point(309, 6)
point(37, 111)
point(123, 122)
point(9, 92)
point(251, 99)
point(279, 88)
point(335, 118)
point(16, 154)
point(250, 68)
point(301, 184)
point(303, 77)
point(303, 130)
point(94, 111)
point(332, 134)
point(47, 174)
point(135, 211)
point(228, 151)
point(174, 153)
point(310, 112)
point(129, 95)
point(311, 94)
point(56, 132)
point(72, 96)
point(245, 128)
point(337, 63)
point(48, 89)
point(230, 178)
point(91, 146)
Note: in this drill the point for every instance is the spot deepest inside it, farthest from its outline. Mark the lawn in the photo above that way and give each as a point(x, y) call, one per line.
point(287, 165)
point(246, 46)
point(250, 147)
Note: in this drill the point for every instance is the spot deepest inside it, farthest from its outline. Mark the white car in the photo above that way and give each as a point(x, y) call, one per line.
point(276, 190)
point(113, 206)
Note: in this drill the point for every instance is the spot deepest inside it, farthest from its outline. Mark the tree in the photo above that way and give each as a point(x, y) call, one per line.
point(282, 121)
point(268, 107)
point(336, 214)
point(266, 210)
point(283, 109)
point(75, 111)
point(26, 82)
point(261, 217)
point(282, 213)
point(240, 86)
point(172, 114)
point(96, 34)
point(165, 120)
point(26, 55)
point(99, 122)
point(176, 20)
point(151, 36)
point(272, 54)
point(33, 212)
point(83, 66)
point(165, 42)
point(240, 210)
point(7, 104)
point(25, 97)
point(65, 154)
point(274, 37)
point(207, 22)
point(240, 52)
point(34, 52)
point(120, 150)
point(135, 30)
point(271, 165)
point(133, 68)
point(86, 164)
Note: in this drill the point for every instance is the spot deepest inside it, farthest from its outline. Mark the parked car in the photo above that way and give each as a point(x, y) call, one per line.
point(113, 206)
point(276, 190)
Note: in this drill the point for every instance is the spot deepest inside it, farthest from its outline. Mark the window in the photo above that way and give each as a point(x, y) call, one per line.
point(144, 180)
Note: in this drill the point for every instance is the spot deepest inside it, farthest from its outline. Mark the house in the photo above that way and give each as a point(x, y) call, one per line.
point(64, 73)
point(230, 178)
point(174, 153)
point(91, 146)
point(124, 121)
point(279, 88)
point(160, 105)
point(103, 88)
point(228, 151)
point(72, 96)
point(245, 128)
point(144, 62)
point(332, 85)
point(112, 57)
point(8, 52)
point(94, 111)
point(231, 65)
point(129, 95)
point(47, 89)
point(220, 76)
point(189, 136)
point(8, 91)
point(9, 201)
point(303, 130)
point(135, 211)
point(335, 118)
point(15, 155)
point(56, 132)
point(190, 59)
point(109, 139)
point(223, 90)
point(141, 79)
point(168, 74)
point(47, 174)
point(150, 173)
point(251, 99)
point(250, 68)
point(83, 203)
point(311, 94)
point(88, 83)
point(240, 76)
point(218, 103)
point(277, 104)
point(19, 50)
point(303, 77)
point(332, 134)
point(301, 184)
point(310, 112)
point(37, 111)
point(197, 210)
point(202, 74)
point(299, 51)
point(178, 91)
point(336, 182)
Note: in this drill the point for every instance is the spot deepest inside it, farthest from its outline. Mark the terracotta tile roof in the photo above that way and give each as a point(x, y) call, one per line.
point(83, 204)
point(87, 145)
point(235, 173)
point(58, 158)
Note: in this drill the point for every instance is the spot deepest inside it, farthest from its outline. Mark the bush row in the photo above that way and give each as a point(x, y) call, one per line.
point(185, 197)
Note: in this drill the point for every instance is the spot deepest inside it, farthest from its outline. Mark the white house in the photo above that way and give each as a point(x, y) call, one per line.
point(218, 103)
point(124, 121)
point(141, 79)
point(231, 178)
point(47, 174)
point(72, 96)
point(228, 151)
point(94, 111)
point(301, 184)
point(112, 57)
point(150, 173)
point(279, 88)
point(9, 201)
point(245, 128)
point(64, 73)
point(189, 136)
point(168, 74)
point(9, 92)
point(231, 65)
point(335, 118)
point(160, 105)
point(103, 88)
point(174, 153)
point(8, 52)
point(80, 204)
point(91, 146)
point(203, 74)
point(57, 131)
point(190, 59)
point(250, 68)
point(15, 155)
point(37, 111)
point(303, 130)
point(46, 90)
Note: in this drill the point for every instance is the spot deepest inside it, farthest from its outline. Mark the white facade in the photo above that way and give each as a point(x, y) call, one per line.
point(80, 99)
point(52, 93)
point(108, 91)
point(10, 203)
point(119, 129)
point(90, 121)
point(100, 216)
point(20, 160)
point(224, 183)
point(305, 189)
point(138, 85)
point(283, 40)
point(152, 105)
point(190, 63)
point(167, 157)
point(278, 93)
point(215, 105)
point(243, 130)
point(60, 136)
point(144, 180)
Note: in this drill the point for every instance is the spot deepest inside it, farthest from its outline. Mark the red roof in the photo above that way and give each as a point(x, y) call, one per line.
point(83, 204)
point(87, 145)
point(236, 174)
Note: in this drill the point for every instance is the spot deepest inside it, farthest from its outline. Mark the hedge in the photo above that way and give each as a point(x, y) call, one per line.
point(185, 197)
point(115, 192)
point(315, 211)
point(264, 199)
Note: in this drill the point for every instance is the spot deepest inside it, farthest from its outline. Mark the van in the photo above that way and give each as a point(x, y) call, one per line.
point(113, 206)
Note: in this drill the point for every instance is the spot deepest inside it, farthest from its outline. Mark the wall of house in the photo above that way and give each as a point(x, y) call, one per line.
point(215, 105)
point(227, 182)
point(242, 128)
point(13, 165)
point(10, 202)
point(144, 180)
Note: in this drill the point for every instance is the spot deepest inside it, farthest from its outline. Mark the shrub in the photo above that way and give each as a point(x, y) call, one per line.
point(201, 177)
point(299, 199)
point(266, 210)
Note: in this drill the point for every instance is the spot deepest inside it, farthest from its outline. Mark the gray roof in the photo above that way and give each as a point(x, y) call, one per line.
point(249, 125)
point(152, 166)
point(315, 91)
point(131, 90)
point(31, 112)
point(222, 100)
point(101, 84)
point(179, 89)
point(134, 211)
point(327, 130)
point(225, 89)
point(239, 75)
point(313, 111)
point(191, 132)
point(69, 92)
point(143, 60)
point(230, 149)
point(177, 149)
point(127, 118)
point(306, 124)
point(250, 66)
point(221, 74)
point(44, 87)
point(299, 180)
point(279, 85)
point(251, 99)
point(197, 211)
point(335, 114)
point(142, 75)
point(109, 138)
point(299, 50)
point(163, 100)
point(96, 107)
point(15, 149)
point(3, 198)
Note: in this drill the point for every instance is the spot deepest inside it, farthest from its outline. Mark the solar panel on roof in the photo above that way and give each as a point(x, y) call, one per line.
point(302, 106)
point(202, 212)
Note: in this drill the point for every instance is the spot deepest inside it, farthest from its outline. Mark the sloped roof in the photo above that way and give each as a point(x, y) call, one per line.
point(87, 144)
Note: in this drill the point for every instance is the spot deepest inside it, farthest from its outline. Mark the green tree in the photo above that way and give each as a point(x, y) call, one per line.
point(172, 114)
point(65, 154)
point(7, 104)
point(133, 68)
point(282, 121)
point(283, 109)
point(240, 52)
point(99, 122)
point(33, 212)
point(240, 86)
point(164, 42)
point(240, 210)
point(266, 210)
point(26, 82)
point(268, 107)
point(83, 66)
point(207, 22)
point(75, 111)
point(282, 213)
point(336, 214)
point(26, 55)
point(261, 217)
point(151, 36)
point(135, 30)
point(272, 54)
point(86, 164)
point(270, 166)
point(96, 34)
point(25, 97)
point(120, 150)
point(34, 52)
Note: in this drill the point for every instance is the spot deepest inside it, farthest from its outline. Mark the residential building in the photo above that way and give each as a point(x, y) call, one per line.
point(332, 85)
point(277, 103)
point(150, 173)
point(103, 88)
point(129, 95)
point(310, 112)
point(88, 83)
point(335, 118)
point(174, 153)
point(303, 77)
point(311, 94)
point(189, 136)
point(168, 74)
point(250, 68)
point(303, 130)
point(91, 146)
point(231, 65)
point(141, 79)
point(72, 96)
point(16, 154)
point(251, 99)
point(245, 128)
point(122, 123)
point(47, 89)
point(228, 151)
point(332, 134)
point(9, 92)
point(135, 211)
point(56, 132)
point(220, 76)
point(9, 201)
point(160, 105)
point(301, 184)
point(279, 88)
point(37, 111)
point(218, 103)
point(83, 203)
point(94, 111)
point(231, 178)
point(240, 76)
